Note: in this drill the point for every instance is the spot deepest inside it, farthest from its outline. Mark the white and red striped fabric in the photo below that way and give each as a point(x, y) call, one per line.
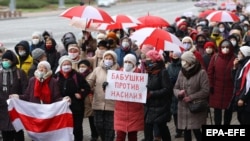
point(43, 122)
point(222, 16)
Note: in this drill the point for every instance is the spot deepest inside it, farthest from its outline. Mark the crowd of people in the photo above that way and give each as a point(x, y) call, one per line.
point(213, 67)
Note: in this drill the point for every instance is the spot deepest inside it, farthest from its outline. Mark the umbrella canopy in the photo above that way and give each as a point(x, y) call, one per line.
point(87, 13)
point(152, 21)
point(205, 13)
point(222, 16)
point(121, 21)
point(160, 39)
point(84, 24)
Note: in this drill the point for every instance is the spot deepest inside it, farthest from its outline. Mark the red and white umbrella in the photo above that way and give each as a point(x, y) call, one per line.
point(87, 13)
point(222, 16)
point(159, 38)
point(121, 21)
point(152, 21)
point(84, 24)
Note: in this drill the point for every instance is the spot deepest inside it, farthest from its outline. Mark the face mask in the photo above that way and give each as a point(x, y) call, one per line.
point(245, 28)
point(221, 29)
point(128, 67)
point(22, 53)
point(209, 50)
point(66, 68)
point(225, 50)
point(35, 41)
point(125, 44)
point(82, 70)
point(233, 42)
point(6, 64)
point(187, 46)
point(108, 63)
point(73, 55)
point(40, 74)
point(48, 46)
point(184, 64)
point(239, 56)
point(215, 35)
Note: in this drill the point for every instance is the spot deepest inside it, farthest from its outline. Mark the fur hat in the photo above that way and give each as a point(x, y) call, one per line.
point(209, 44)
point(154, 55)
point(101, 36)
point(112, 35)
point(189, 57)
point(37, 53)
point(245, 50)
point(103, 43)
point(46, 64)
point(110, 52)
point(64, 58)
point(131, 58)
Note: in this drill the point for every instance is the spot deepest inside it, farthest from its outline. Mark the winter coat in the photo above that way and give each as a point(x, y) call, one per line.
point(206, 58)
point(19, 85)
point(196, 87)
point(157, 107)
point(220, 79)
point(173, 71)
point(75, 83)
point(32, 69)
point(95, 80)
point(40, 45)
point(128, 116)
point(29, 93)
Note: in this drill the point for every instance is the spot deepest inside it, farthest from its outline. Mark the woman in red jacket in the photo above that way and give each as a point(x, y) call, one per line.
point(128, 116)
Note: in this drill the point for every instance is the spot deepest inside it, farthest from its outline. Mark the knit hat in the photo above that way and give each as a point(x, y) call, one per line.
point(64, 58)
point(73, 44)
point(209, 44)
point(154, 55)
point(245, 50)
point(8, 55)
point(216, 30)
point(181, 22)
point(176, 54)
point(46, 64)
point(37, 53)
point(37, 34)
point(187, 38)
point(131, 58)
point(110, 52)
point(146, 47)
point(103, 43)
point(112, 35)
point(189, 57)
point(85, 62)
point(100, 36)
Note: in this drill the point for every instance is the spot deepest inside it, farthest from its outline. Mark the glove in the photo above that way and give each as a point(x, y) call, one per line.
point(67, 98)
point(211, 90)
point(104, 85)
point(14, 96)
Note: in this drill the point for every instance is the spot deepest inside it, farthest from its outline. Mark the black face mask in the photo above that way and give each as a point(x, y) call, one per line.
point(175, 60)
point(149, 65)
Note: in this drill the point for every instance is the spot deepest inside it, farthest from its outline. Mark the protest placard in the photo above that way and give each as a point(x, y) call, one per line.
point(126, 86)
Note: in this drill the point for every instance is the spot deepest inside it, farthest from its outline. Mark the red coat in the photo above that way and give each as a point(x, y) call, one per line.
point(128, 116)
point(220, 78)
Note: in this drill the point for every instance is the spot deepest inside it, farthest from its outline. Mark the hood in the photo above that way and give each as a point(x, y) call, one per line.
point(26, 46)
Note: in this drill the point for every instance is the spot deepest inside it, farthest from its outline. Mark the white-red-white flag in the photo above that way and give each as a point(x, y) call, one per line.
point(43, 122)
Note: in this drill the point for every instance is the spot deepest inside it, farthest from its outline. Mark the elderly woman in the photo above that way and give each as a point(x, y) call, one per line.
point(73, 84)
point(192, 84)
point(160, 91)
point(12, 80)
point(103, 108)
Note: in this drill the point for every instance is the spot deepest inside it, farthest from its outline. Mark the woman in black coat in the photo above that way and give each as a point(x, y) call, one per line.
point(160, 91)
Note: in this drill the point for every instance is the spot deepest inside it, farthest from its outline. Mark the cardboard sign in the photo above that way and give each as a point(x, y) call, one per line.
point(126, 86)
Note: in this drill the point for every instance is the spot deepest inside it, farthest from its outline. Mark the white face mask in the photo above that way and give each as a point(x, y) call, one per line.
point(35, 41)
point(108, 63)
point(184, 64)
point(22, 53)
point(187, 46)
point(225, 50)
point(73, 55)
point(233, 42)
point(209, 50)
point(82, 70)
point(40, 74)
point(128, 67)
point(66, 68)
point(125, 44)
point(221, 29)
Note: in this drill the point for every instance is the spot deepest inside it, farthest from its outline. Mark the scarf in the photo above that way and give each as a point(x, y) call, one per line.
point(191, 72)
point(41, 88)
point(7, 77)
